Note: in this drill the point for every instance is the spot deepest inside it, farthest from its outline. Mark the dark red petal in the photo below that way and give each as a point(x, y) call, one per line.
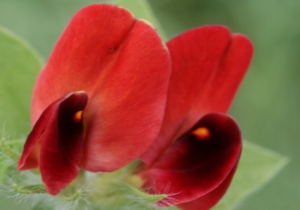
point(62, 143)
point(31, 152)
point(55, 144)
point(208, 64)
point(210, 199)
point(124, 67)
point(195, 165)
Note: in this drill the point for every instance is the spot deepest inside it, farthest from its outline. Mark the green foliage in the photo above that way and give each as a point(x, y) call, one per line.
point(19, 65)
point(257, 167)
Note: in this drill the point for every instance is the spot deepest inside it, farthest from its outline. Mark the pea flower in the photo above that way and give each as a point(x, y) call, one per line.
point(111, 92)
point(197, 150)
point(99, 101)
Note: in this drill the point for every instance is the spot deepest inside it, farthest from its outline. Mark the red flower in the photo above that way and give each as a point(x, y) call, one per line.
point(99, 102)
point(197, 150)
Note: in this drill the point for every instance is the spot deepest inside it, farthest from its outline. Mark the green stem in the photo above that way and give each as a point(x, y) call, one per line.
point(30, 189)
point(73, 197)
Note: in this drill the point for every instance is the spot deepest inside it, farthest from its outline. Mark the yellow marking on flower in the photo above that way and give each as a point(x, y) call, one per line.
point(201, 133)
point(77, 117)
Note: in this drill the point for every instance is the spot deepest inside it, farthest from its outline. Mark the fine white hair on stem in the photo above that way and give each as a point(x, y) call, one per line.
point(169, 200)
point(6, 134)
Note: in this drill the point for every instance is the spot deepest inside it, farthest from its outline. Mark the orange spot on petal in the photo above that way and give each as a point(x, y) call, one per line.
point(77, 117)
point(201, 133)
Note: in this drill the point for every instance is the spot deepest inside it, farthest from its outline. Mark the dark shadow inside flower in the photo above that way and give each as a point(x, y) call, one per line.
point(55, 143)
point(196, 163)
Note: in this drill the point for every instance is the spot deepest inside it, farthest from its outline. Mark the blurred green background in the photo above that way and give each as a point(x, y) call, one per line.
point(267, 103)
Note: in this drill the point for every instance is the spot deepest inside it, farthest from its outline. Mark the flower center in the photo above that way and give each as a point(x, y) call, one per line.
point(201, 133)
point(77, 117)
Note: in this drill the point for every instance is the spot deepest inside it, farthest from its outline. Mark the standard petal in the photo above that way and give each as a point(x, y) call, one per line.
point(208, 64)
point(198, 162)
point(210, 199)
point(83, 54)
point(124, 67)
point(126, 112)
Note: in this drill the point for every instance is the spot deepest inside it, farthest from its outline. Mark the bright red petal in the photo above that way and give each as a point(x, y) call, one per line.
point(124, 67)
point(208, 64)
point(83, 54)
point(198, 162)
point(210, 199)
point(126, 113)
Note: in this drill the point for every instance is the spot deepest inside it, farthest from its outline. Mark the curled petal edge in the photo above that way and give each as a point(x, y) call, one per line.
point(209, 64)
point(56, 141)
point(196, 163)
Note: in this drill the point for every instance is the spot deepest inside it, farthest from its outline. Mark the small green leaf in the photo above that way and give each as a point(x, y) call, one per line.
point(257, 167)
point(142, 9)
point(19, 66)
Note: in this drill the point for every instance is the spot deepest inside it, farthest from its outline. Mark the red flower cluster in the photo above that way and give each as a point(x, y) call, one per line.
point(112, 92)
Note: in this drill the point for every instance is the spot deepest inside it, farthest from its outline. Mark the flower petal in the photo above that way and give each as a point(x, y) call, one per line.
point(208, 66)
point(83, 54)
point(126, 113)
point(198, 162)
point(210, 199)
point(56, 142)
point(124, 67)
point(31, 152)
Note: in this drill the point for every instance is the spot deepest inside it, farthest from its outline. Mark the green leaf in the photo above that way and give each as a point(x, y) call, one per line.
point(19, 65)
point(142, 9)
point(257, 167)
